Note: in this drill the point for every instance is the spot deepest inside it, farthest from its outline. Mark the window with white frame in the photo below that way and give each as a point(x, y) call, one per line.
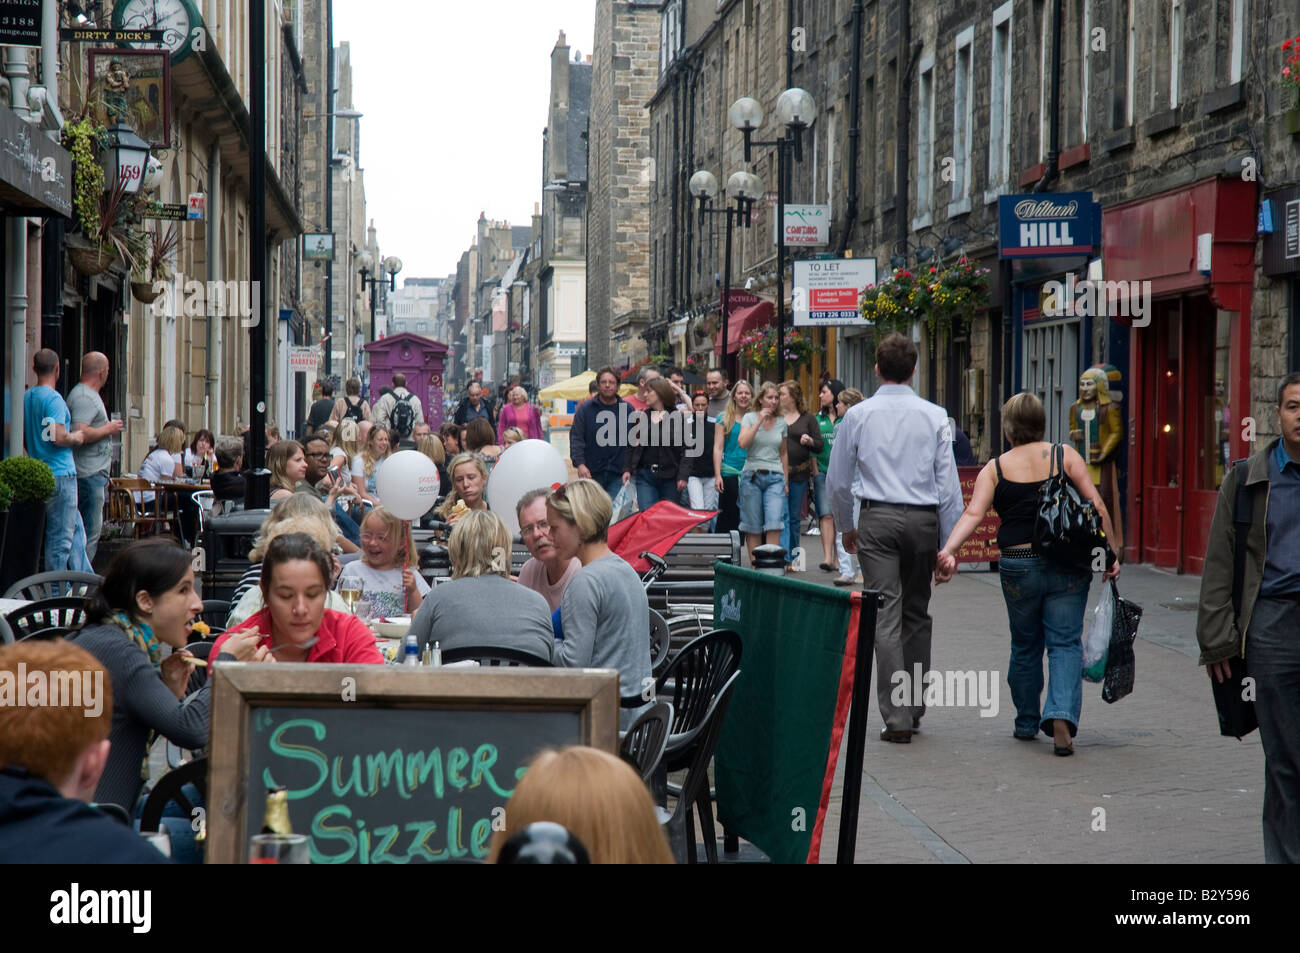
point(1000, 101)
point(1237, 50)
point(962, 122)
point(1175, 50)
point(925, 143)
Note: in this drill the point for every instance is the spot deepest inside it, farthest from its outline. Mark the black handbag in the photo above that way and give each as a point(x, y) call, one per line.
point(1067, 529)
point(1121, 665)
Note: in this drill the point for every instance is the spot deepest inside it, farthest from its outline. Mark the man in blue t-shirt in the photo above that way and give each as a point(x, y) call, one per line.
point(46, 424)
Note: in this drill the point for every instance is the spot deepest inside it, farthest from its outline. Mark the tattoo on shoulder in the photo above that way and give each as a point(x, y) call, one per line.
point(1044, 454)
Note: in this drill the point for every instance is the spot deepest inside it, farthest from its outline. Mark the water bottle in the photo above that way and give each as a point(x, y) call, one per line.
point(410, 651)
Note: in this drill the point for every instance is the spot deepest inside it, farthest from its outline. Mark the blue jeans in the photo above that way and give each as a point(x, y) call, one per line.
point(762, 502)
point(821, 499)
point(347, 525)
point(65, 536)
point(793, 507)
point(1045, 606)
point(650, 489)
point(90, 503)
point(611, 480)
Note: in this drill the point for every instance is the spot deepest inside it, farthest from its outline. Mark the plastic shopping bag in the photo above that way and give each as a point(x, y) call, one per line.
point(1096, 641)
point(624, 502)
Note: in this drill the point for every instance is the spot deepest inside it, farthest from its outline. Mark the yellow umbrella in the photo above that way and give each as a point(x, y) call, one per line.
point(577, 388)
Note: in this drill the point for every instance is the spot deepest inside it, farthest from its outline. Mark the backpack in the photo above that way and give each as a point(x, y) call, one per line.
point(353, 411)
point(403, 416)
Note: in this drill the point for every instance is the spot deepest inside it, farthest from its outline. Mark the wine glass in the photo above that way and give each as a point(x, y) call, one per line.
point(350, 591)
point(364, 610)
point(279, 849)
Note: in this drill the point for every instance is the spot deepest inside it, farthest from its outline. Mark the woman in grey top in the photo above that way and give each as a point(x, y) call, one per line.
point(605, 615)
point(480, 606)
point(147, 600)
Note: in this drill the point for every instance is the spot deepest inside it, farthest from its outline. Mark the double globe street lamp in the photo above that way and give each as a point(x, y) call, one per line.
point(743, 188)
point(371, 275)
point(795, 109)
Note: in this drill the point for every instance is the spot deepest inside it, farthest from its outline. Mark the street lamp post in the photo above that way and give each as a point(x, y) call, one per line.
point(391, 266)
point(795, 109)
point(744, 188)
point(257, 486)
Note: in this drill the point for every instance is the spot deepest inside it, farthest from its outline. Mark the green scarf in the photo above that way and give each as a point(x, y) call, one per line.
point(140, 634)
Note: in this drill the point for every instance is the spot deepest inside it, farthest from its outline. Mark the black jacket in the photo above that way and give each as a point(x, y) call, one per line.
point(663, 450)
point(38, 825)
point(586, 447)
point(228, 485)
point(461, 414)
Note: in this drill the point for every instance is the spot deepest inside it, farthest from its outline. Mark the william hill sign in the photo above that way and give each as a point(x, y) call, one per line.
point(1045, 224)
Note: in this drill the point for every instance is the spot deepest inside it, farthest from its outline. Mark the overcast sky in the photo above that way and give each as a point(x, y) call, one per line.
point(455, 97)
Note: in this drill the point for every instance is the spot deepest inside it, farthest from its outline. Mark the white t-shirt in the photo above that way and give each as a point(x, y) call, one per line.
point(158, 467)
point(383, 587)
point(359, 470)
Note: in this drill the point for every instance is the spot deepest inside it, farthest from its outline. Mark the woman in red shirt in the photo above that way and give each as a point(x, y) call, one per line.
point(296, 575)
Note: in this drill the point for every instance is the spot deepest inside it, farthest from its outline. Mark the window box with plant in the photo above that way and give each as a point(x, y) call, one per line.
point(940, 297)
point(1290, 80)
point(27, 484)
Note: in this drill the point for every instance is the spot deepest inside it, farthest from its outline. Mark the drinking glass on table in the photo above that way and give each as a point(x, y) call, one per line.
point(364, 610)
point(279, 849)
point(350, 592)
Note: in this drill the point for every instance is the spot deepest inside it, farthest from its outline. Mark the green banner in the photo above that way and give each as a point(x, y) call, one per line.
point(775, 758)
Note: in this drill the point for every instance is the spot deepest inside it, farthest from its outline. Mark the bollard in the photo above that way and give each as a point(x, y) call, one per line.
point(770, 559)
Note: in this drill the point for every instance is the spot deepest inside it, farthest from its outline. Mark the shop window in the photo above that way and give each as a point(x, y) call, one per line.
point(1215, 418)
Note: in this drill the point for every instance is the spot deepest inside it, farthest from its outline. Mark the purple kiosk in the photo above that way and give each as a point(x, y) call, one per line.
point(420, 359)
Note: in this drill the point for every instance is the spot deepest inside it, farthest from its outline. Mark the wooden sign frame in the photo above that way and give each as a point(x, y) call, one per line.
point(237, 688)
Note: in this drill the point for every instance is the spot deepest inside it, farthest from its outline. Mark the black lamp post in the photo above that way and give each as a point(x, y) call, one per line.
point(391, 265)
point(795, 109)
point(744, 188)
point(257, 485)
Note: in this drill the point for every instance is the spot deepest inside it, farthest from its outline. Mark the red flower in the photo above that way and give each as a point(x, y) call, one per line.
point(1286, 44)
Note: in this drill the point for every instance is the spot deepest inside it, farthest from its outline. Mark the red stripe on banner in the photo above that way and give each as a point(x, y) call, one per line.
point(843, 698)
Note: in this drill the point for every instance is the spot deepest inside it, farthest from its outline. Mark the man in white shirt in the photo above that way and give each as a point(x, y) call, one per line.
point(893, 452)
point(545, 573)
point(387, 417)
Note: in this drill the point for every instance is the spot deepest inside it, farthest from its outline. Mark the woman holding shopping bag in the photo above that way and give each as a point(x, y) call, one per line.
point(1045, 600)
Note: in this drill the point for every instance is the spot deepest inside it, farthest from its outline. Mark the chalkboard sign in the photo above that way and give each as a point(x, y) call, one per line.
point(385, 764)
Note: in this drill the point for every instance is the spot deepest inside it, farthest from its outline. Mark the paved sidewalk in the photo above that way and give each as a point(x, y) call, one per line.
point(1151, 768)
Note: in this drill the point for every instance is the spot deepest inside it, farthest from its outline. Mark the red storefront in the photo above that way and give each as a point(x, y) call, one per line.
point(1189, 367)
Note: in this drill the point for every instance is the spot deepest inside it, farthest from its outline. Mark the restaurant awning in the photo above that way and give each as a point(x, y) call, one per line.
point(743, 321)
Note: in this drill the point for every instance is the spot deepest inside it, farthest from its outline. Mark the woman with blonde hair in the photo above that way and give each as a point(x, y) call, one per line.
point(469, 476)
point(512, 435)
point(454, 613)
point(848, 396)
point(597, 797)
point(164, 462)
point(431, 446)
point(604, 611)
point(763, 481)
point(367, 463)
point(298, 513)
point(344, 446)
point(518, 414)
point(729, 456)
point(388, 573)
point(1045, 600)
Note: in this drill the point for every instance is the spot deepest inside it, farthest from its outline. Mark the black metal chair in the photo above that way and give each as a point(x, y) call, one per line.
point(643, 745)
point(170, 789)
point(176, 755)
point(660, 638)
point(695, 794)
point(691, 682)
point(47, 619)
point(494, 656)
point(55, 585)
point(215, 612)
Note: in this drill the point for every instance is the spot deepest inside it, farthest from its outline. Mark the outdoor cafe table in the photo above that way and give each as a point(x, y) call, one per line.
point(176, 489)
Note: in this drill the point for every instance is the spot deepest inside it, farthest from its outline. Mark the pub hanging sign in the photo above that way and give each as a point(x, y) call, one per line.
point(1047, 224)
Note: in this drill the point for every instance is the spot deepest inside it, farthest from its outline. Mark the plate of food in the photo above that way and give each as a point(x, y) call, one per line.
point(392, 628)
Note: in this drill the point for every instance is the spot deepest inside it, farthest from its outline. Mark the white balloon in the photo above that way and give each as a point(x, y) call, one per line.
point(407, 484)
point(527, 465)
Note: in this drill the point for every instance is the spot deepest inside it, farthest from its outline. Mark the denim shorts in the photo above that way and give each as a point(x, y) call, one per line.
point(762, 501)
point(821, 499)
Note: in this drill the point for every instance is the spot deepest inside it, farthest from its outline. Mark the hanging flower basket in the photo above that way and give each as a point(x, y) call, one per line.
point(758, 350)
point(143, 291)
point(939, 297)
point(90, 261)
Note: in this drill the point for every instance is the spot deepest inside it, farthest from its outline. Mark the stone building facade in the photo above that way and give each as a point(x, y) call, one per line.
point(1170, 114)
point(621, 170)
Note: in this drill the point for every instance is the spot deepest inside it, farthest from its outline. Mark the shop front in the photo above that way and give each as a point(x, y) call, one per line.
point(1186, 261)
point(1280, 223)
